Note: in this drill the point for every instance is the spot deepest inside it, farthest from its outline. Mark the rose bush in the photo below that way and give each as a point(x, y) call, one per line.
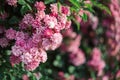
point(59, 40)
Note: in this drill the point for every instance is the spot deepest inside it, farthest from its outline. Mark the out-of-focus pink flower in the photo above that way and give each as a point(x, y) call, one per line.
point(61, 76)
point(78, 18)
point(105, 77)
point(40, 6)
point(38, 75)
point(74, 45)
point(94, 21)
point(77, 58)
point(118, 74)
point(4, 42)
point(10, 34)
point(3, 15)
point(69, 33)
point(12, 2)
point(25, 77)
point(96, 54)
point(96, 62)
point(2, 29)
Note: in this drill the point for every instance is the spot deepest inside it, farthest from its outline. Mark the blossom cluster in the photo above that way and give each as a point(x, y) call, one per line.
point(96, 62)
point(114, 28)
point(76, 55)
point(37, 33)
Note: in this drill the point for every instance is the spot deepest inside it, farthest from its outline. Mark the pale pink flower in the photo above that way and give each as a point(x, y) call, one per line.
point(10, 34)
point(40, 15)
point(43, 55)
point(40, 6)
point(52, 43)
point(54, 8)
point(17, 50)
point(56, 39)
point(62, 19)
point(50, 21)
point(68, 24)
point(38, 54)
point(46, 44)
point(26, 57)
point(32, 65)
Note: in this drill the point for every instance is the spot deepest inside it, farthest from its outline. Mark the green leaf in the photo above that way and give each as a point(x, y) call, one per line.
point(5, 78)
point(75, 3)
point(71, 69)
point(78, 24)
point(102, 7)
point(30, 1)
point(92, 75)
point(89, 7)
point(48, 1)
point(13, 20)
point(25, 8)
point(55, 63)
point(84, 17)
point(58, 5)
point(21, 2)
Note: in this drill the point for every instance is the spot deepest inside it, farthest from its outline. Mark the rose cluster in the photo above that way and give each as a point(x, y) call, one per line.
point(113, 24)
point(36, 34)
